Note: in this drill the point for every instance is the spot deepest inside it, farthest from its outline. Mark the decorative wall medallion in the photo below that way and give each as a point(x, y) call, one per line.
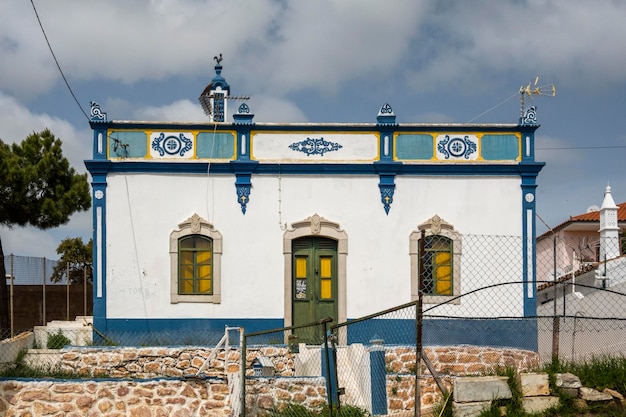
point(529, 197)
point(530, 116)
point(99, 194)
point(312, 146)
point(316, 224)
point(456, 147)
point(195, 223)
point(172, 145)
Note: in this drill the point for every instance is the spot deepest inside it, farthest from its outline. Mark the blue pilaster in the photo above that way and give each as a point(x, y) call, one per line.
point(99, 170)
point(378, 376)
point(529, 169)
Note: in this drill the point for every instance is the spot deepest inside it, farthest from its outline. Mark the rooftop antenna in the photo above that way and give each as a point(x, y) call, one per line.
point(533, 90)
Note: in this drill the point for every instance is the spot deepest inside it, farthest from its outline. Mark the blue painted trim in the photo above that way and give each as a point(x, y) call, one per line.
point(387, 176)
point(100, 150)
point(243, 183)
point(243, 146)
point(378, 375)
point(529, 287)
point(528, 142)
point(200, 167)
point(512, 332)
point(414, 128)
point(331, 377)
point(135, 332)
point(99, 185)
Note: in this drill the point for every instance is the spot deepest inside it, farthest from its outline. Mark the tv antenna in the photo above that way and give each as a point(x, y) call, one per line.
point(532, 89)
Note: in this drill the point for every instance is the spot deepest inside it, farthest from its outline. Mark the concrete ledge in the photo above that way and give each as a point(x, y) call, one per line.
point(10, 348)
point(538, 404)
point(535, 384)
point(486, 388)
point(470, 409)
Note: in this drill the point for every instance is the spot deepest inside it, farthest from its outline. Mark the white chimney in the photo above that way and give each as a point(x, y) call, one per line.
point(609, 230)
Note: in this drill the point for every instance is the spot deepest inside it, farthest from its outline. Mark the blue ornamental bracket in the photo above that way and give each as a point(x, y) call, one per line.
point(387, 184)
point(243, 181)
point(243, 185)
point(386, 192)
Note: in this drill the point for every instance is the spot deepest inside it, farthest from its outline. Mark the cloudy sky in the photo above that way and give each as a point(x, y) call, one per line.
point(326, 61)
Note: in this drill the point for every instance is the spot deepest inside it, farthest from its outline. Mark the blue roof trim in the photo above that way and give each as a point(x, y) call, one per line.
point(326, 127)
point(197, 167)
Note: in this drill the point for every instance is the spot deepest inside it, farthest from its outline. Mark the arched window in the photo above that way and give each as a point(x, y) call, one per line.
point(442, 261)
point(195, 265)
point(437, 265)
point(195, 258)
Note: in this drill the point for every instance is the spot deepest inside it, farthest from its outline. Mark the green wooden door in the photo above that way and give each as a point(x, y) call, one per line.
point(314, 285)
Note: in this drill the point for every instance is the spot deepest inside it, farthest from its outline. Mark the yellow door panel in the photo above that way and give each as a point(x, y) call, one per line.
point(301, 267)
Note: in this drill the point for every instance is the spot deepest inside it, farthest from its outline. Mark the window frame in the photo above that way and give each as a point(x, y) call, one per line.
point(436, 226)
point(195, 225)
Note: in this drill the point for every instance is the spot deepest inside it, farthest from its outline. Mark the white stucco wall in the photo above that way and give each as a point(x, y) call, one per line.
point(143, 209)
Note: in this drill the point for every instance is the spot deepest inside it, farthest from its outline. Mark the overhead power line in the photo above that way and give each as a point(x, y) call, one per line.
point(581, 147)
point(67, 84)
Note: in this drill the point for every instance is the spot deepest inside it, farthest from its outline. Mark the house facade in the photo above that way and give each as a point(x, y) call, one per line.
point(585, 239)
point(264, 225)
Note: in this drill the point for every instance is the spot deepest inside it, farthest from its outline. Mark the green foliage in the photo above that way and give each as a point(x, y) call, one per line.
point(298, 410)
point(597, 372)
point(21, 370)
point(37, 184)
point(57, 341)
point(292, 410)
point(38, 187)
point(444, 407)
point(76, 258)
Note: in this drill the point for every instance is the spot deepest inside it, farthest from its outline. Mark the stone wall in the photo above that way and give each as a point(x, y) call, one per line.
point(114, 398)
point(179, 366)
point(448, 362)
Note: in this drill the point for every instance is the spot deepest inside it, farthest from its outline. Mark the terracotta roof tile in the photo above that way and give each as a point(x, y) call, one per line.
point(590, 217)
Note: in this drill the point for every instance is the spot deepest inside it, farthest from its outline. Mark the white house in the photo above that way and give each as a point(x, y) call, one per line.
point(264, 225)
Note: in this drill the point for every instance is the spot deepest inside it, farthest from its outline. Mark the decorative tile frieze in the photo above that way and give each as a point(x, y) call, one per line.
point(457, 147)
point(315, 146)
point(171, 145)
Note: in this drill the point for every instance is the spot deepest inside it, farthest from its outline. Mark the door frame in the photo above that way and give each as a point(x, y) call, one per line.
point(315, 226)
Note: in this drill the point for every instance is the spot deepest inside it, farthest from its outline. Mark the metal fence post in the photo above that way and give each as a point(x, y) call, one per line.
point(11, 293)
point(329, 384)
point(84, 290)
point(555, 318)
point(67, 297)
point(243, 372)
point(43, 290)
point(418, 323)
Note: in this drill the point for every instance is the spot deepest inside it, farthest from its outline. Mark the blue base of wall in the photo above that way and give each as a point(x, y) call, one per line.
point(173, 332)
point(513, 333)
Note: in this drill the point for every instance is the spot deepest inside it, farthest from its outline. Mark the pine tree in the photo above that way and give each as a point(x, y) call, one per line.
point(38, 187)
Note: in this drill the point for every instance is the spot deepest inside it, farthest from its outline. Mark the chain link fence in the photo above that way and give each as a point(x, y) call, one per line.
point(34, 299)
point(468, 316)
